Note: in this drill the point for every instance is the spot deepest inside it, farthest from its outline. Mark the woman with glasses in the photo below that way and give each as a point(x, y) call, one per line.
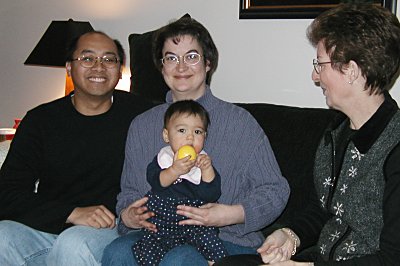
point(187, 57)
point(355, 216)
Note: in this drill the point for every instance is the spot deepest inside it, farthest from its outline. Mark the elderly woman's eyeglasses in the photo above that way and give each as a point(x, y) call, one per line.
point(189, 59)
point(318, 65)
point(109, 61)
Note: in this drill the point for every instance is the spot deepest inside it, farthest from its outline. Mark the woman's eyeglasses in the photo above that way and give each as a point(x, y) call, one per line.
point(318, 65)
point(189, 59)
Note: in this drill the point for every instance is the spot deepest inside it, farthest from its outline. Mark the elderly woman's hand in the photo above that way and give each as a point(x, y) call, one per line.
point(278, 246)
point(292, 263)
point(212, 214)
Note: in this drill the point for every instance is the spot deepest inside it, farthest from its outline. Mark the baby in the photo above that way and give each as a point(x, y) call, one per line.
point(180, 181)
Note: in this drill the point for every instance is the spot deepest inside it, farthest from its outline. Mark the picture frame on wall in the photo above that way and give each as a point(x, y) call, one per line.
point(296, 9)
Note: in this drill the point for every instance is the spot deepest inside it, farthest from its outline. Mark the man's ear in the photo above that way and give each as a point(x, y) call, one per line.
point(165, 135)
point(121, 69)
point(68, 68)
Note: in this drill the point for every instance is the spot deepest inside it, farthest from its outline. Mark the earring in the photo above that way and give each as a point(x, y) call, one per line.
point(350, 82)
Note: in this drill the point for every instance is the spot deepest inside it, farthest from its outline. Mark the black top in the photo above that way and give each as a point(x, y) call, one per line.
point(60, 159)
point(208, 192)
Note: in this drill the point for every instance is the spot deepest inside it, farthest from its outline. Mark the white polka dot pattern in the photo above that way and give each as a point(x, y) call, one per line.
point(153, 246)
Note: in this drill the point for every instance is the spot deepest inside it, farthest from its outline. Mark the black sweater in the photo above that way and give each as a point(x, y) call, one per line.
point(60, 159)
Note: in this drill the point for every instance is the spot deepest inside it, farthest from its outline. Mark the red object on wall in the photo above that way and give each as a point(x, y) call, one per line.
point(6, 133)
point(16, 124)
point(9, 137)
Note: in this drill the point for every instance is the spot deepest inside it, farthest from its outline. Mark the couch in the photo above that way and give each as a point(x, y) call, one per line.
point(294, 132)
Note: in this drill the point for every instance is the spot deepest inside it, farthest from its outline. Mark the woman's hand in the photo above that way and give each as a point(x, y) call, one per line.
point(136, 215)
point(212, 214)
point(278, 246)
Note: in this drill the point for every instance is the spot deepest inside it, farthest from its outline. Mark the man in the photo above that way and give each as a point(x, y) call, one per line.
point(61, 177)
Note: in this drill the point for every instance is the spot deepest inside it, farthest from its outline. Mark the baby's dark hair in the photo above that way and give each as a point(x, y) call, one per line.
point(188, 107)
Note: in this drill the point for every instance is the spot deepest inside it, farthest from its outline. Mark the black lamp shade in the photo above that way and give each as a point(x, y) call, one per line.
point(52, 47)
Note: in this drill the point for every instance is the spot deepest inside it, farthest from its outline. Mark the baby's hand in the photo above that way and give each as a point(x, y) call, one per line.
point(207, 171)
point(203, 162)
point(182, 166)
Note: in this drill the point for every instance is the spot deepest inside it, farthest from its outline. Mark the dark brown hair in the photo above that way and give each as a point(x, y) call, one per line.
point(179, 28)
point(365, 33)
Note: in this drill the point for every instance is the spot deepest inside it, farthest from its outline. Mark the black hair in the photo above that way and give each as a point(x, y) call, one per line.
point(71, 47)
point(188, 107)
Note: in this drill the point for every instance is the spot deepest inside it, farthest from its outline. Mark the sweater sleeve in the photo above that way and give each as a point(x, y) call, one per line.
point(308, 225)
point(250, 173)
point(140, 149)
point(153, 175)
point(268, 192)
point(18, 177)
point(210, 192)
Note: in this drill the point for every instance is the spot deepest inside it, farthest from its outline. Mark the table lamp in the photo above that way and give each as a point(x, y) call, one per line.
point(52, 47)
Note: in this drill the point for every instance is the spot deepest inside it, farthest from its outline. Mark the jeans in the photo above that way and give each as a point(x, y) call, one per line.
point(78, 245)
point(119, 253)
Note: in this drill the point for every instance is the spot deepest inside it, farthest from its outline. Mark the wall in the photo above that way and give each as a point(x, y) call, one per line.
point(260, 60)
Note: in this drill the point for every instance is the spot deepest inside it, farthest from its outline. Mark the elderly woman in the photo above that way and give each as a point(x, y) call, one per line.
point(355, 219)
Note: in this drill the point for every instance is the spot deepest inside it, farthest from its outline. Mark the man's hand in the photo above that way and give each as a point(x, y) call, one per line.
point(94, 216)
point(136, 215)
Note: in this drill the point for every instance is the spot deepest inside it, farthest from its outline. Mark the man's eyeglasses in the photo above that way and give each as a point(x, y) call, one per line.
point(109, 61)
point(318, 65)
point(189, 59)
